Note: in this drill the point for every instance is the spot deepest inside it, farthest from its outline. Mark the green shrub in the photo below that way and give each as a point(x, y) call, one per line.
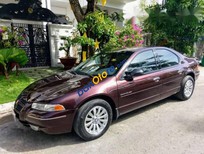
point(177, 24)
point(12, 55)
point(128, 36)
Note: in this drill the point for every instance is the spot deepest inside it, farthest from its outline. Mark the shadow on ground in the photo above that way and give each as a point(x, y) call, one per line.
point(146, 108)
point(192, 125)
point(14, 139)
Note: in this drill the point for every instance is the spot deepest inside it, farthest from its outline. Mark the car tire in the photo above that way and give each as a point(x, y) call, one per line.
point(93, 119)
point(187, 88)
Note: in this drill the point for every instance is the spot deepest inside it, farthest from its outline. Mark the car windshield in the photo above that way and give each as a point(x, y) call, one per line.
point(102, 62)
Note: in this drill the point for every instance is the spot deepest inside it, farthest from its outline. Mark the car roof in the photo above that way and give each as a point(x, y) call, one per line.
point(129, 49)
point(137, 49)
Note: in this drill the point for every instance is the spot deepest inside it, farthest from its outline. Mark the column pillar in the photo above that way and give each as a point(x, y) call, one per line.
point(46, 4)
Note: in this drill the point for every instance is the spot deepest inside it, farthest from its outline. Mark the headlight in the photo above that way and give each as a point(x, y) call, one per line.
point(47, 107)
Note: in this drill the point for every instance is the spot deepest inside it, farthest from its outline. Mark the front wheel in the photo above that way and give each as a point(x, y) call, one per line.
point(187, 88)
point(93, 119)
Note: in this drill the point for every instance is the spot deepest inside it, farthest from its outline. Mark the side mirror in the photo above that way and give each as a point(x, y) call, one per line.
point(128, 76)
point(137, 72)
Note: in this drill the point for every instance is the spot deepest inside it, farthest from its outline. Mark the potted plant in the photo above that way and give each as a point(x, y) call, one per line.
point(76, 39)
point(67, 61)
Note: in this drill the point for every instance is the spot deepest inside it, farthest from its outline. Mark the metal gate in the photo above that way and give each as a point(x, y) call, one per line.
point(35, 43)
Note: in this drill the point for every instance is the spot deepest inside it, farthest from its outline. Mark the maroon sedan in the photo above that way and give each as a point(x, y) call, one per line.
point(87, 98)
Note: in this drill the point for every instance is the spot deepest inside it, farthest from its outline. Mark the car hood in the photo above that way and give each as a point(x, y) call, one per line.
point(53, 87)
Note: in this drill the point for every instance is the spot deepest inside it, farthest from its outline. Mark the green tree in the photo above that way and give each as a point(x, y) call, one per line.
point(177, 24)
point(98, 26)
point(81, 13)
point(94, 24)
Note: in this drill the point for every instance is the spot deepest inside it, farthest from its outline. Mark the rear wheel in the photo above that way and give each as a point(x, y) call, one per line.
point(187, 88)
point(93, 119)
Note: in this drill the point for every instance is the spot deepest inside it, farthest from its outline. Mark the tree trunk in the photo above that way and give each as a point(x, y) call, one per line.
point(79, 15)
point(17, 71)
point(91, 6)
point(6, 73)
point(77, 10)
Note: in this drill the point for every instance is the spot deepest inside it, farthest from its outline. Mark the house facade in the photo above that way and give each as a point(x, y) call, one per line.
point(43, 37)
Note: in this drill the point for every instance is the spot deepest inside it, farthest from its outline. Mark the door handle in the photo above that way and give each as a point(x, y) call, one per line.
point(156, 79)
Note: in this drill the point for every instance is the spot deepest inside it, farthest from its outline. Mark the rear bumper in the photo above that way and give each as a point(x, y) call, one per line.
point(50, 122)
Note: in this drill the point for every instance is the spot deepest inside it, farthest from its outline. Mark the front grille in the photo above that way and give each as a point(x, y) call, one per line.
point(23, 101)
point(19, 106)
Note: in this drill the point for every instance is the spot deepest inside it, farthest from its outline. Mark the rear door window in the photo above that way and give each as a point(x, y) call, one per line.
point(166, 58)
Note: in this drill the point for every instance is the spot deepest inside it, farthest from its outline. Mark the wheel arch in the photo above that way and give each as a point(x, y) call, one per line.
point(107, 99)
point(191, 74)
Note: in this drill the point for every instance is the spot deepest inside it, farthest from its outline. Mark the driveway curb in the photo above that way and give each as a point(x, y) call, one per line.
point(6, 109)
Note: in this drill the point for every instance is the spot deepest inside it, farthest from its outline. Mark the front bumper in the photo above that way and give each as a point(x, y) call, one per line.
point(48, 122)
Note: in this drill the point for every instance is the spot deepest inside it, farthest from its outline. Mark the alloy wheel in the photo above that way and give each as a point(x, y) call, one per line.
point(96, 120)
point(188, 89)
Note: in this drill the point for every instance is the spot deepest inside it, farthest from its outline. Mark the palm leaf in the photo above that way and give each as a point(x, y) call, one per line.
point(2, 62)
point(19, 56)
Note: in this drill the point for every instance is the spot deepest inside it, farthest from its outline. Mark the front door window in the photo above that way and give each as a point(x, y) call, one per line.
point(144, 63)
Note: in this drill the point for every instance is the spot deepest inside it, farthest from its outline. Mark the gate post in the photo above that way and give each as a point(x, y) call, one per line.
point(32, 46)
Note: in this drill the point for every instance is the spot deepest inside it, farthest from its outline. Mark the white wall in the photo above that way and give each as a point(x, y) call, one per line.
point(59, 10)
point(63, 8)
point(135, 9)
point(7, 1)
point(130, 9)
